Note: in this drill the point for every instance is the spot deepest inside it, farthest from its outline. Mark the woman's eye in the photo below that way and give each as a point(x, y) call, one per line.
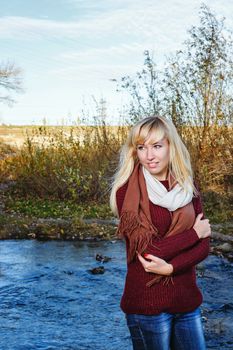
point(140, 148)
point(157, 146)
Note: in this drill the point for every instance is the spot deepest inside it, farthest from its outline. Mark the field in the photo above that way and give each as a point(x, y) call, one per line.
point(15, 136)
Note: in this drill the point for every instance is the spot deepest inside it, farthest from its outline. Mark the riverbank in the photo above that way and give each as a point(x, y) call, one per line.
point(52, 220)
point(18, 227)
point(47, 219)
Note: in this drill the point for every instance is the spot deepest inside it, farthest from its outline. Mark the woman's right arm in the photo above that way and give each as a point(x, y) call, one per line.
point(171, 246)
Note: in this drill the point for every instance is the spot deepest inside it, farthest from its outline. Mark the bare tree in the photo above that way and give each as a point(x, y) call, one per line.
point(10, 82)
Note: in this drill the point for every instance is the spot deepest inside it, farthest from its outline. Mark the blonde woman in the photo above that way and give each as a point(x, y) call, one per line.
point(166, 235)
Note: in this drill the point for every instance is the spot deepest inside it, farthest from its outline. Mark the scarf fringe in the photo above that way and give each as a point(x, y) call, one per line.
point(166, 280)
point(131, 229)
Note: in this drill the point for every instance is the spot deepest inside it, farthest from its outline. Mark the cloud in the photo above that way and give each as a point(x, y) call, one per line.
point(106, 54)
point(30, 28)
point(149, 22)
point(100, 64)
point(134, 20)
point(91, 72)
point(123, 18)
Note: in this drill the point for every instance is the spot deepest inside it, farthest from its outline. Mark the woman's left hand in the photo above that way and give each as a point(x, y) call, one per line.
point(155, 265)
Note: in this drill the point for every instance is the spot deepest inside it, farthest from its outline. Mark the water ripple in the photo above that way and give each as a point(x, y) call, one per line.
point(50, 301)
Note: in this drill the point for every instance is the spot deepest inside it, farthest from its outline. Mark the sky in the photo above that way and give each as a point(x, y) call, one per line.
point(70, 50)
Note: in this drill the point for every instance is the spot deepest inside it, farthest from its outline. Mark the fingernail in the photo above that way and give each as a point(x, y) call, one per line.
point(146, 255)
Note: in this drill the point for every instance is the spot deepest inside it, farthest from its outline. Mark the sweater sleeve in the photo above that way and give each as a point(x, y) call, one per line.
point(171, 246)
point(168, 247)
point(191, 257)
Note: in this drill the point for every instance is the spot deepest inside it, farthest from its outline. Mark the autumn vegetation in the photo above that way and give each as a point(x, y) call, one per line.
point(194, 88)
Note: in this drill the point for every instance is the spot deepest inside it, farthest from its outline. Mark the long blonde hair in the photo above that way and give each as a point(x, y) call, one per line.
point(179, 162)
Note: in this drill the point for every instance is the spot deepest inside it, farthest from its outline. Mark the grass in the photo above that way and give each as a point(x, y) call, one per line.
point(46, 208)
point(218, 209)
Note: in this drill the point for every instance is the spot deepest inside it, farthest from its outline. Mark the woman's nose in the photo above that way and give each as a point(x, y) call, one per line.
point(150, 154)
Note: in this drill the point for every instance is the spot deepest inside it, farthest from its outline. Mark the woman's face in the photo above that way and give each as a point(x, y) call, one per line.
point(155, 157)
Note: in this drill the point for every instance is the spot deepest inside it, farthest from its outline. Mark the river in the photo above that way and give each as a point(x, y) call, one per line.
point(50, 300)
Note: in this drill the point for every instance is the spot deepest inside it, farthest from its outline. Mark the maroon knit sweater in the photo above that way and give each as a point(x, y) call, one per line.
point(183, 251)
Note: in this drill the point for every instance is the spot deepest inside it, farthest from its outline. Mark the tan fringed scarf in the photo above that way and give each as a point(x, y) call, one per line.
point(135, 220)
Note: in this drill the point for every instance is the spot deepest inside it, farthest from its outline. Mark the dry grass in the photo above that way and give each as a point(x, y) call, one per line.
point(77, 163)
point(16, 136)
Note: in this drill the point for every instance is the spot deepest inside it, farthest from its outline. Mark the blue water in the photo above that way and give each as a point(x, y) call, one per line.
point(49, 299)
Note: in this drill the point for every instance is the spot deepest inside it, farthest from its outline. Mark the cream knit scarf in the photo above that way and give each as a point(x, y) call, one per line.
point(176, 198)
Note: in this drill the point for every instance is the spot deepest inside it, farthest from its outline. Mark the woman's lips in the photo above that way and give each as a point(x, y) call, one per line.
point(153, 165)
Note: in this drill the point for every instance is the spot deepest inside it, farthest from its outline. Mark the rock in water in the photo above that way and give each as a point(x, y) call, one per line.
point(102, 258)
point(97, 270)
point(225, 247)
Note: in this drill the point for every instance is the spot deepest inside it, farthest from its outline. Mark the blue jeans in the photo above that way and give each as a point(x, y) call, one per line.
point(180, 331)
